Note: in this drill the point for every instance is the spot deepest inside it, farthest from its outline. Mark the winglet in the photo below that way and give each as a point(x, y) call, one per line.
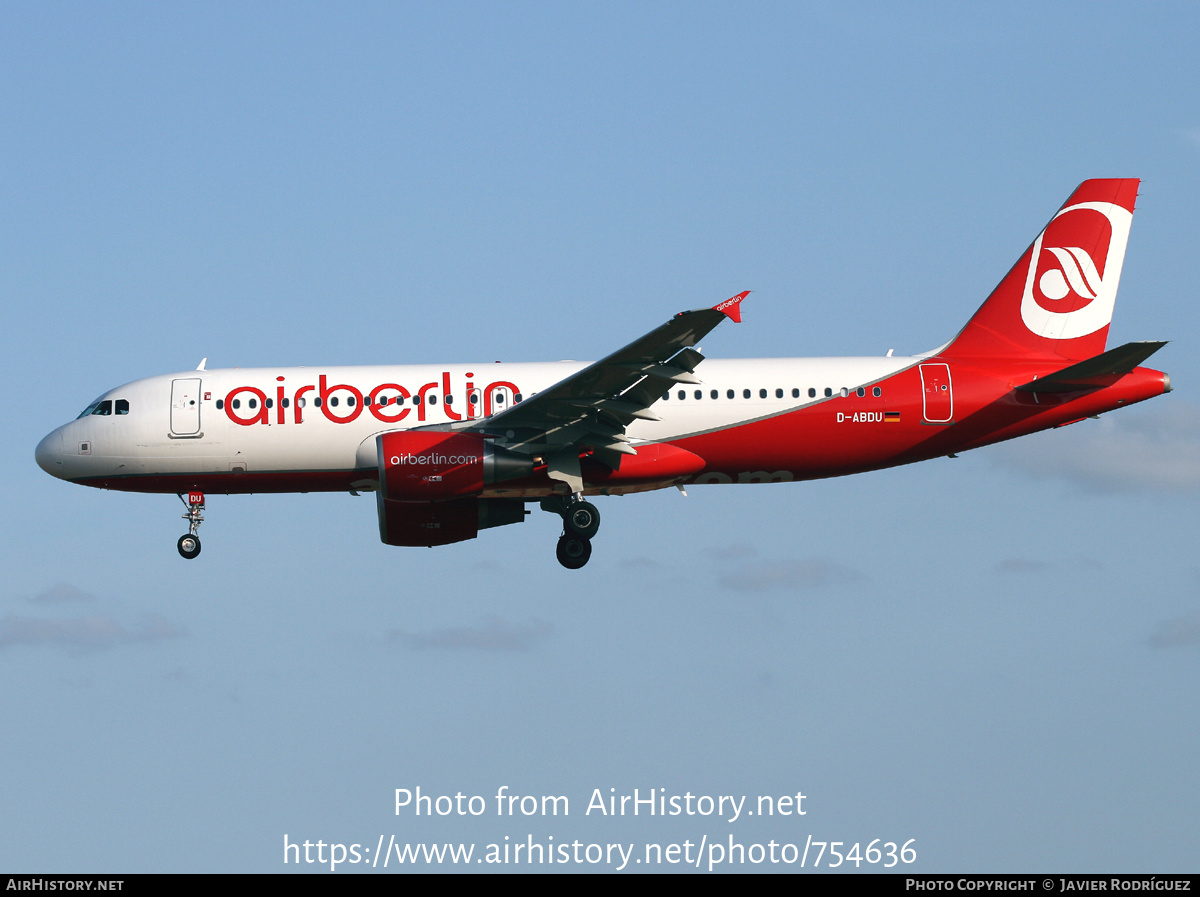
point(731, 308)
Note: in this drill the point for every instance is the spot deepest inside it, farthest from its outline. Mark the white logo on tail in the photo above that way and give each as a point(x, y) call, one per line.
point(1074, 297)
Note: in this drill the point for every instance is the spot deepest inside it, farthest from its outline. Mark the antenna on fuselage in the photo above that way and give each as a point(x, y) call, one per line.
point(203, 362)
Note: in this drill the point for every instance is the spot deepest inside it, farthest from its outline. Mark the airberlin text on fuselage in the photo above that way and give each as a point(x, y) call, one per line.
point(387, 402)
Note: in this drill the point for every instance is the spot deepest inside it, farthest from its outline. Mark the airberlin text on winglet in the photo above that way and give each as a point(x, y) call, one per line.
point(732, 308)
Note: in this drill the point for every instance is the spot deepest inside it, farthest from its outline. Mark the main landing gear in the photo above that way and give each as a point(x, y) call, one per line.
point(189, 543)
point(581, 521)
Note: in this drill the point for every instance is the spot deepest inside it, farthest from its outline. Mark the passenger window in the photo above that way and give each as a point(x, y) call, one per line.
point(812, 393)
point(449, 399)
point(333, 402)
point(221, 404)
point(729, 393)
point(762, 393)
point(122, 406)
point(236, 403)
point(745, 393)
point(433, 400)
point(828, 392)
point(285, 403)
point(778, 393)
point(877, 392)
point(683, 393)
point(516, 397)
point(795, 393)
point(301, 402)
point(714, 394)
point(699, 394)
point(268, 403)
point(104, 408)
point(861, 391)
point(316, 401)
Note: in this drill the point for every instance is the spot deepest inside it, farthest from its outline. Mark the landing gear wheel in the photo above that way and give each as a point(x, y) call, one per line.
point(573, 552)
point(189, 542)
point(189, 546)
point(581, 519)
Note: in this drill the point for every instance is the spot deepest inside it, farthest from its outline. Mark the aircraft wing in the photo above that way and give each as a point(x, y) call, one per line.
point(591, 409)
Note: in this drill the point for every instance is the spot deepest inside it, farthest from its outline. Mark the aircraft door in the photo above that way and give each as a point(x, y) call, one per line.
point(185, 407)
point(938, 393)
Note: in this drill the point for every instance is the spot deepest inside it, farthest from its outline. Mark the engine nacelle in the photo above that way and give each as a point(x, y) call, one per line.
point(424, 465)
point(443, 522)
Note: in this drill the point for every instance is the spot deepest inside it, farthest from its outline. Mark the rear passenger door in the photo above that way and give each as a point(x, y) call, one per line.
point(938, 393)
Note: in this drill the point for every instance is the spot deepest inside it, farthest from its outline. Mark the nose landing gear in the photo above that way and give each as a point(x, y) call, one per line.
point(581, 521)
point(189, 543)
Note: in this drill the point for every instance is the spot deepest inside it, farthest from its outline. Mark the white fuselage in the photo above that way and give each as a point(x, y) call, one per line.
point(306, 420)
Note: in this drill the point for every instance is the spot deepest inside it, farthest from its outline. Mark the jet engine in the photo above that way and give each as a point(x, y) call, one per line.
point(429, 485)
point(422, 465)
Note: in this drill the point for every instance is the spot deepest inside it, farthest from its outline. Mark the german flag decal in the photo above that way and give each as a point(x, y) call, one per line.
point(891, 417)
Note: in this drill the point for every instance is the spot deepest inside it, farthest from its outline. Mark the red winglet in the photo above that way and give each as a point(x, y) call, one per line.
point(731, 308)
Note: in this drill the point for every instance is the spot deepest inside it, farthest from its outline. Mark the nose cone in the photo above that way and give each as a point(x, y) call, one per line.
point(49, 455)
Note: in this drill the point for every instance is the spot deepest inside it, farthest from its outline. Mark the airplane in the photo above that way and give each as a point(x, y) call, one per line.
point(450, 450)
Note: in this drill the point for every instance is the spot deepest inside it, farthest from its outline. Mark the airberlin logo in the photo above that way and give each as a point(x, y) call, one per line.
point(1067, 294)
point(439, 460)
point(389, 403)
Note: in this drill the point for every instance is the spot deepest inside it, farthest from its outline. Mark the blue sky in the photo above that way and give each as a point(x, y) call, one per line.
point(997, 656)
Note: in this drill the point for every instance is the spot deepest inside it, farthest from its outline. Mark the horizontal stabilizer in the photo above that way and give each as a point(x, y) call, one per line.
point(1095, 372)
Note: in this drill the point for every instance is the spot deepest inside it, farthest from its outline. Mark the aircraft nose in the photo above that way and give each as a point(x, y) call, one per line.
point(49, 454)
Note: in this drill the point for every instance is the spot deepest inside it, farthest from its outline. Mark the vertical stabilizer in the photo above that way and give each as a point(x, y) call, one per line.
point(1057, 300)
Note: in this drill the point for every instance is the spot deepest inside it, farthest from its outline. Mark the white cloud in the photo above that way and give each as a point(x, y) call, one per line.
point(87, 633)
point(67, 617)
point(493, 635)
point(1152, 449)
point(1179, 631)
point(787, 574)
point(1021, 565)
point(63, 593)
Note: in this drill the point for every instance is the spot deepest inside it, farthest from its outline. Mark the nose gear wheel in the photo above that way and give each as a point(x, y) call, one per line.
point(189, 542)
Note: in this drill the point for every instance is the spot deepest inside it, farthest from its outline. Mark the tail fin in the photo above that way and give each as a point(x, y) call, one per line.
point(1057, 301)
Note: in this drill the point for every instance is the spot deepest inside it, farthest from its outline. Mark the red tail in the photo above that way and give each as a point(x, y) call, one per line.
point(1057, 301)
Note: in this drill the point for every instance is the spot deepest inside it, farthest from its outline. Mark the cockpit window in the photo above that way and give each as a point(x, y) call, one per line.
point(122, 406)
point(103, 408)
